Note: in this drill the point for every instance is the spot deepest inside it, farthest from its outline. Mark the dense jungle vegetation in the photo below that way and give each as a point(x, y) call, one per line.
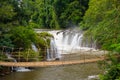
point(100, 20)
point(102, 23)
point(19, 17)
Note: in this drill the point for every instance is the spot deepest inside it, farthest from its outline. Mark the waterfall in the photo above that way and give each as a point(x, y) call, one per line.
point(17, 69)
point(52, 52)
point(10, 57)
point(34, 47)
point(69, 41)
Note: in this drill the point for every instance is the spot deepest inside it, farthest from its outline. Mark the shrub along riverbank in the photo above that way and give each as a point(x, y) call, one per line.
point(102, 24)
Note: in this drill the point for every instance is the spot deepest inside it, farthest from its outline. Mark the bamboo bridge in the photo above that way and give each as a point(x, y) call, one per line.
point(48, 63)
point(26, 63)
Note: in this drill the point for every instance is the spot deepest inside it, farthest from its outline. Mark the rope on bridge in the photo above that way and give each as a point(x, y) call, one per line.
point(45, 63)
point(83, 57)
point(18, 54)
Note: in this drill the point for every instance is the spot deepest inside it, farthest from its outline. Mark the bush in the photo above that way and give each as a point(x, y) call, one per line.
point(112, 68)
point(23, 37)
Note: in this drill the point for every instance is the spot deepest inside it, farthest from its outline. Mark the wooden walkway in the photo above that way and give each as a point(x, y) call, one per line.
point(48, 63)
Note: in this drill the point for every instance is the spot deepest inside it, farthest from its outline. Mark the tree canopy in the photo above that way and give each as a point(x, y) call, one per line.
point(19, 17)
point(102, 23)
point(51, 14)
point(56, 14)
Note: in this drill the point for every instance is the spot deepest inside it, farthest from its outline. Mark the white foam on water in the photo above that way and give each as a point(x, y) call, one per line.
point(68, 41)
point(93, 77)
point(22, 69)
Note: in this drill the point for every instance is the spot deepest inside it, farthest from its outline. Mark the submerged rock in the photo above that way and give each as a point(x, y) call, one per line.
point(93, 77)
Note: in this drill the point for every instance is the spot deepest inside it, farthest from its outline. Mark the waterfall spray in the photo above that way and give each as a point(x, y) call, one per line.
point(69, 41)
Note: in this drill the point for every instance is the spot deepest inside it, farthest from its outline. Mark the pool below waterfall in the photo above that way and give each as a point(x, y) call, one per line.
point(69, 72)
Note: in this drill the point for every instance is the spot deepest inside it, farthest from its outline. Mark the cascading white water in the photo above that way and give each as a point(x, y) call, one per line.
point(17, 69)
point(69, 41)
point(22, 69)
point(52, 52)
point(34, 47)
point(10, 57)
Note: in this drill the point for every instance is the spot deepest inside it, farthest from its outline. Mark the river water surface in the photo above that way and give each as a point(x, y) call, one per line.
point(69, 72)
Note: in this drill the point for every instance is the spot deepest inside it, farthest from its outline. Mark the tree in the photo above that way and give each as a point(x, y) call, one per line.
point(70, 12)
point(101, 22)
point(23, 37)
point(24, 10)
point(6, 15)
point(6, 22)
point(44, 14)
point(55, 14)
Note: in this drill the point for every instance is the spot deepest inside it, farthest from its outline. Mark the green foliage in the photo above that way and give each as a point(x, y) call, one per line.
point(44, 15)
point(23, 37)
point(33, 25)
point(55, 14)
point(6, 16)
point(115, 47)
point(23, 11)
point(45, 34)
point(44, 39)
point(5, 40)
point(70, 12)
point(112, 69)
point(43, 42)
point(6, 11)
point(18, 17)
point(101, 23)
point(30, 55)
point(2, 56)
point(112, 74)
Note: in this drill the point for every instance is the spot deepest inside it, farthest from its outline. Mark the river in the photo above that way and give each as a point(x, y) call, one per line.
point(69, 72)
